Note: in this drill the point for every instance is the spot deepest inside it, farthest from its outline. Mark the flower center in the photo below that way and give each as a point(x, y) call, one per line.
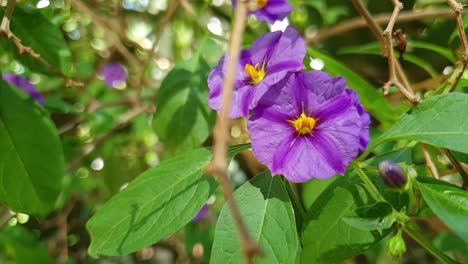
point(261, 3)
point(255, 73)
point(303, 124)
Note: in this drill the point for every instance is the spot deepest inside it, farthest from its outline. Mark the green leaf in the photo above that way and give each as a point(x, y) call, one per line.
point(156, 204)
point(327, 237)
point(377, 216)
point(47, 41)
point(448, 202)
point(372, 100)
point(268, 213)
point(22, 247)
point(184, 120)
point(31, 158)
point(397, 156)
point(443, 51)
point(422, 63)
point(438, 121)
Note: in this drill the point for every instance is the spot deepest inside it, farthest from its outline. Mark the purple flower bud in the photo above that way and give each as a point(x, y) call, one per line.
point(392, 174)
point(202, 214)
point(114, 75)
point(25, 85)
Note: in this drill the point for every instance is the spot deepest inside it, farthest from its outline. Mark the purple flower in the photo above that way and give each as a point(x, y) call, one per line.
point(202, 214)
point(25, 85)
point(392, 174)
point(308, 126)
point(268, 10)
point(266, 63)
point(114, 75)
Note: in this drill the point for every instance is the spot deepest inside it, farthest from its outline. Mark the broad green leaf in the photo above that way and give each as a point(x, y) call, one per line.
point(327, 237)
point(20, 246)
point(373, 100)
point(31, 158)
point(156, 204)
point(184, 120)
point(312, 189)
point(447, 202)
point(46, 40)
point(399, 155)
point(268, 213)
point(460, 157)
point(438, 121)
point(372, 217)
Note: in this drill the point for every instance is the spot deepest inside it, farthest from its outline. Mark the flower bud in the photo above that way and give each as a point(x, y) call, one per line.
point(201, 215)
point(392, 174)
point(396, 246)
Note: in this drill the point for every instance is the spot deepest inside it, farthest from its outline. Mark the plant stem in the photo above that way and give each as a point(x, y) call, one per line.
point(368, 183)
point(297, 205)
point(414, 234)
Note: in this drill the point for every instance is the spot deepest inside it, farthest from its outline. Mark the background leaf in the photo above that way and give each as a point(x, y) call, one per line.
point(447, 202)
point(269, 216)
point(439, 121)
point(31, 158)
point(156, 204)
point(327, 237)
point(184, 120)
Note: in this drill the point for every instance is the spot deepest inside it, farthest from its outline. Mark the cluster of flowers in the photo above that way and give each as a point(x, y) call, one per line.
point(303, 125)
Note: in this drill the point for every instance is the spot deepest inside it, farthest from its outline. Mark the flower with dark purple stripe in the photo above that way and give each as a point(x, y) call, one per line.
point(25, 85)
point(392, 174)
point(268, 10)
point(202, 214)
point(308, 126)
point(266, 63)
point(114, 75)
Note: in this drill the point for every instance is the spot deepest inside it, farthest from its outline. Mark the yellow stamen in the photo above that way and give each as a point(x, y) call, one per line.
point(261, 3)
point(303, 124)
point(255, 73)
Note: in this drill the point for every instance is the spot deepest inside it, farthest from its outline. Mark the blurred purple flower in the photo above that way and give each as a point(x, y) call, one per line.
point(202, 214)
point(114, 75)
point(266, 63)
point(308, 126)
point(25, 85)
point(268, 10)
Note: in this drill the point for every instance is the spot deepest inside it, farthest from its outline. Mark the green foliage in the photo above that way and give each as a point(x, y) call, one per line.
point(47, 41)
point(447, 202)
point(22, 247)
point(268, 214)
point(31, 158)
point(438, 121)
point(184, 120)
point(327, 236)
point(158, 203)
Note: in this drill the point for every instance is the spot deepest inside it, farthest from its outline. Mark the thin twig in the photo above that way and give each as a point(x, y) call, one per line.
point(382, 19)
point(458, 166)
point(218, 164)
point(430, 164)
point(396, 72)
point(123, 122)
point(458, 9)
point(6, 32)
point(159, 31)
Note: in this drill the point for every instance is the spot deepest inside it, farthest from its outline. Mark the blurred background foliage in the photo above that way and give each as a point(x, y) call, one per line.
point(168, 47)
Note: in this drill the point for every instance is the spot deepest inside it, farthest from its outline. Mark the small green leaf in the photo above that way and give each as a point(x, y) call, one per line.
point(22, 247)
point(438, 121)
point(447, 202)
point(268, 213)
point(156, 204)
point(377, 216)
point(327, 237)
point(373, 101)
point(47, 41)
point(184, 120)
point(31, 158)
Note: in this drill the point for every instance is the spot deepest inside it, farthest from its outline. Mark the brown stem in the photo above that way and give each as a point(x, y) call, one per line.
point(430, 164)
point(22, 49)
point(218, 164)
point(458, 166)
point(458, 10)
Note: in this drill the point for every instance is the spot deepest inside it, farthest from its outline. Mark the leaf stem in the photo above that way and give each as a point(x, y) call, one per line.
point(297, 205)
point(414, 234)
point(368, 183)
